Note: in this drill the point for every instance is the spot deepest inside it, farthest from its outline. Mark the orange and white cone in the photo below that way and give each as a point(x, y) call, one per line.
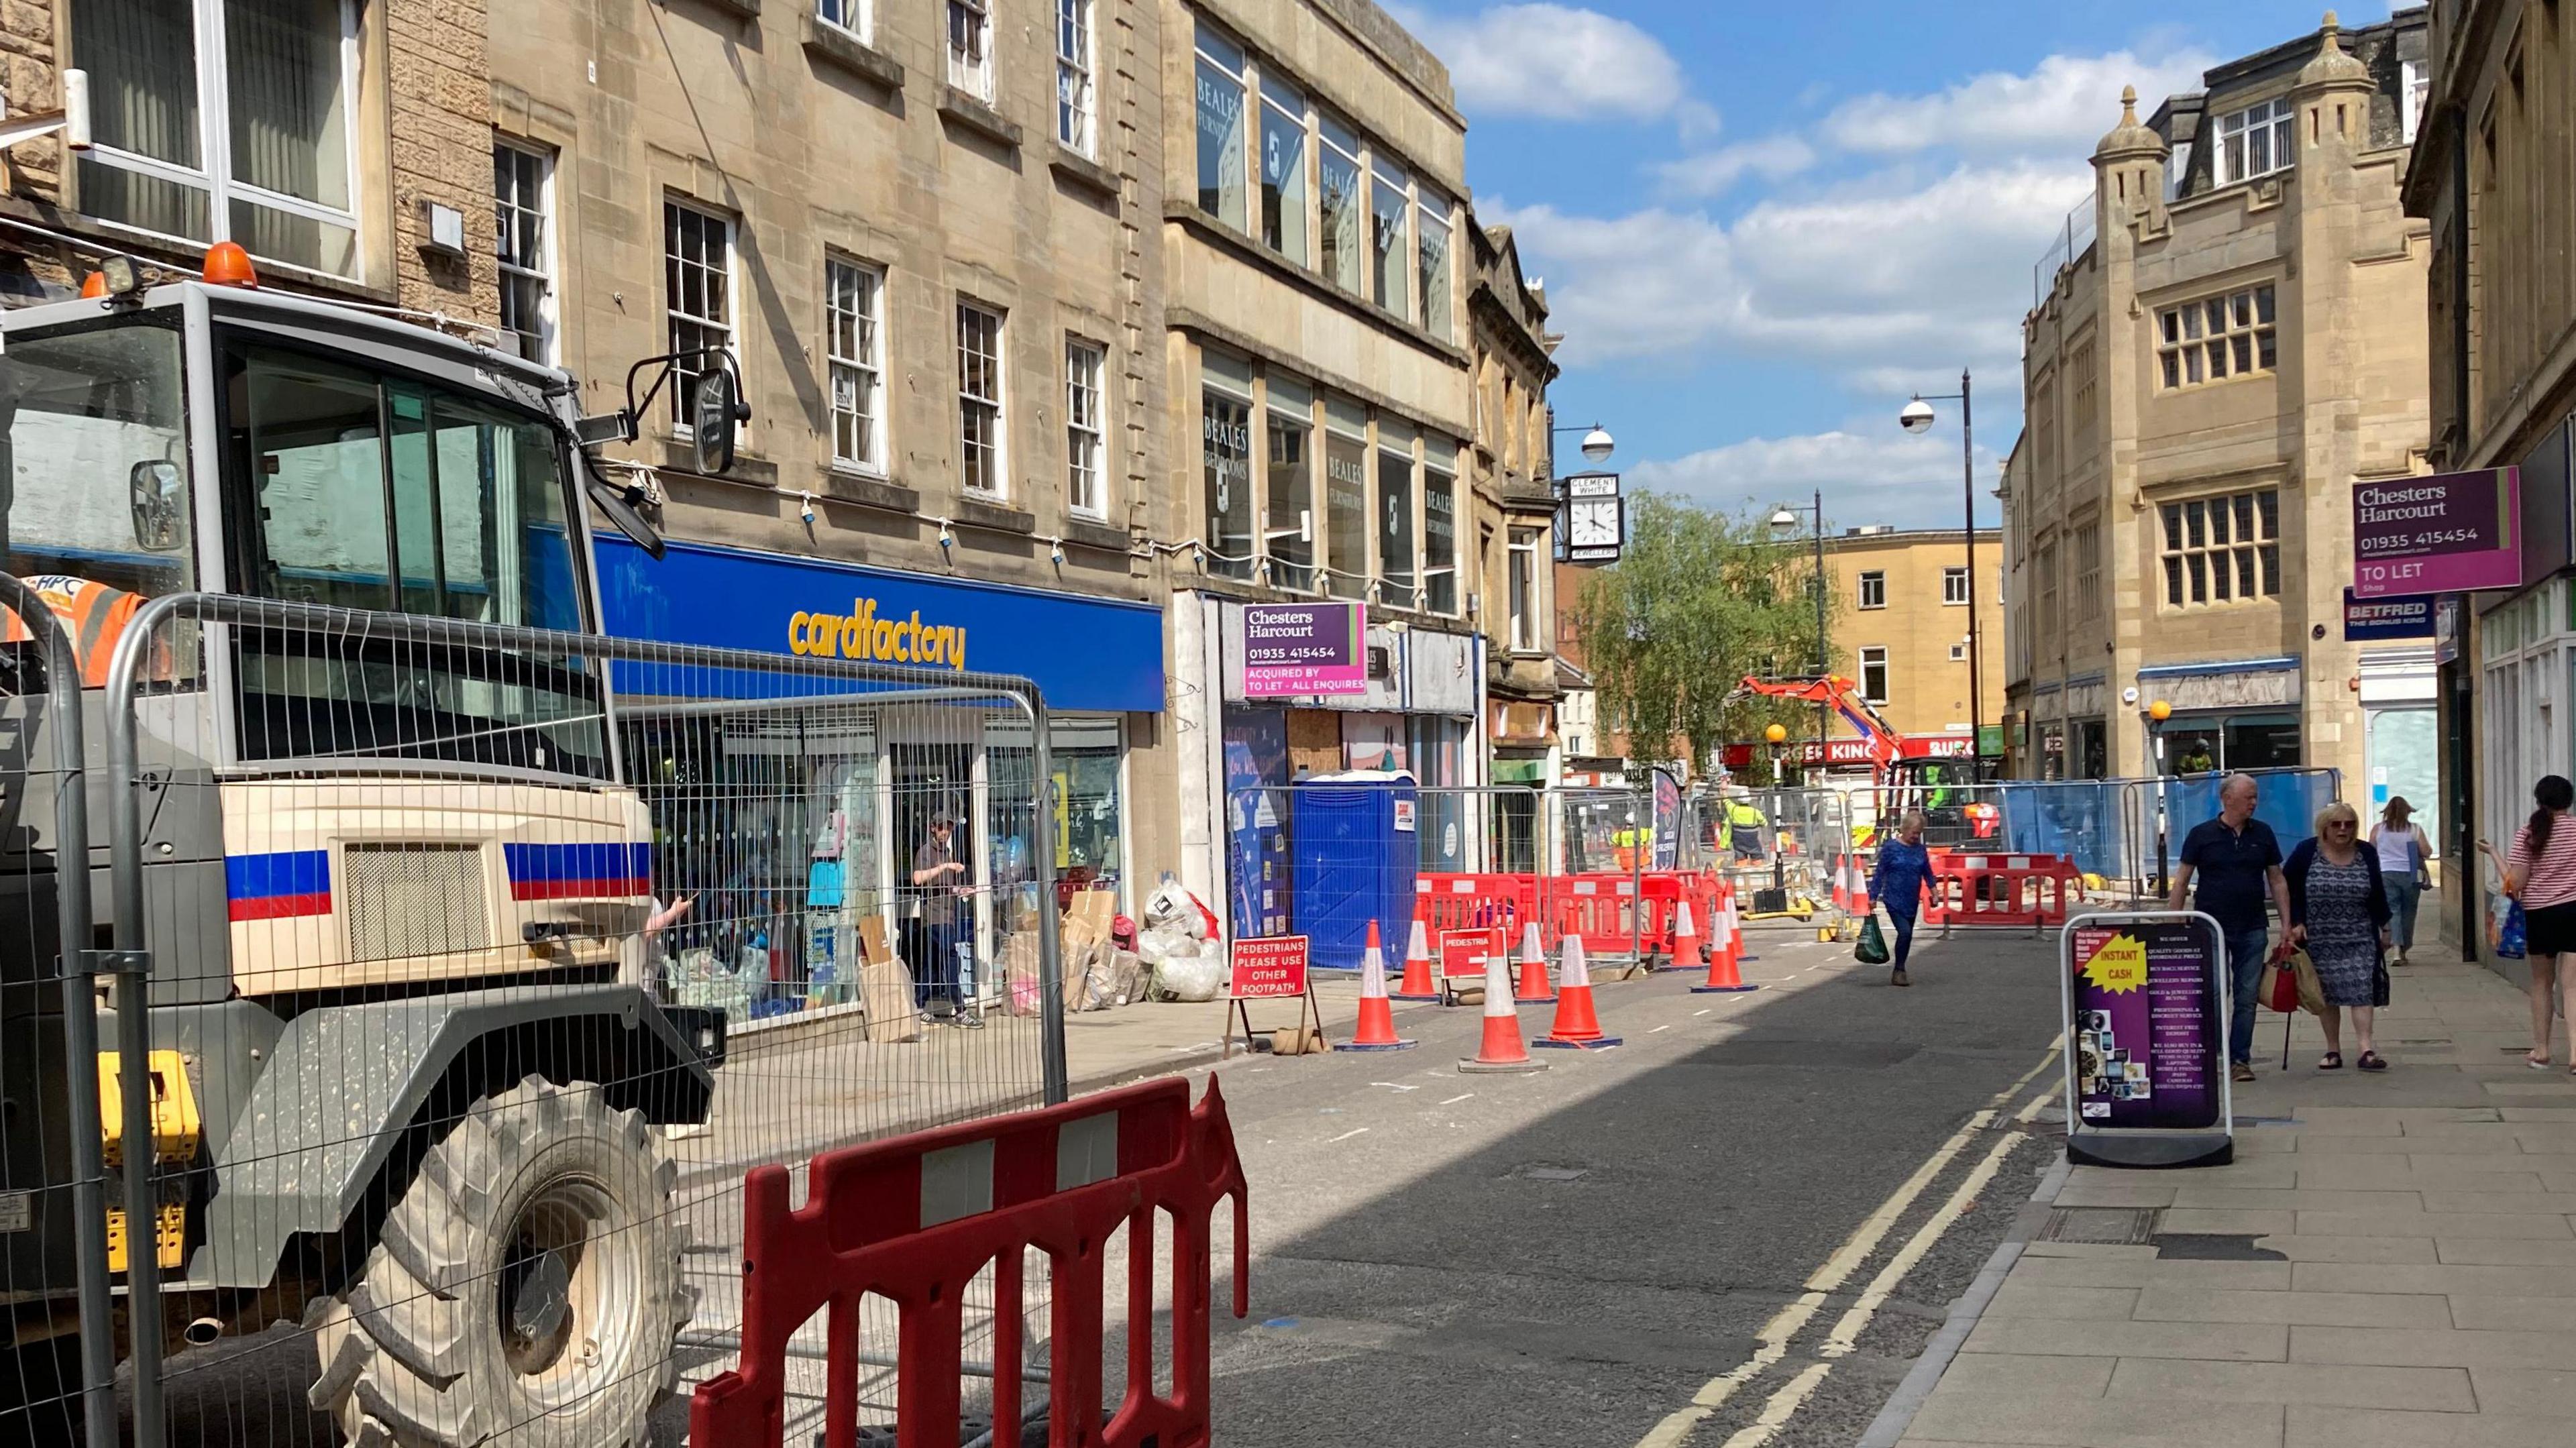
point(1735, 931)
point(1842, 882)
point(1687, 943)
point(1534, 987)
point(1501, 1049)
point(1722, 972)
point(1376, 1029)
point(1576, 1028)
point(1417, 984)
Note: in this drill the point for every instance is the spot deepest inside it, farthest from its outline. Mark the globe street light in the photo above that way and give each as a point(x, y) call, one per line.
point(1916, 417)
point(1597, 442)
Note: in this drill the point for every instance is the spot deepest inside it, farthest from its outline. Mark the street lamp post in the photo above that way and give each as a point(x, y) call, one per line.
point(1784, 524)
point(1916, 417)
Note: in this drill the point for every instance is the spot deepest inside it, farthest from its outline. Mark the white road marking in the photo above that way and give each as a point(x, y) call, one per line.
point(1391, 1086)
point(1703, 1012)
point(1666, 1026)
point(1461, 1096)
point(1772, 1341)
point(1347, 1135)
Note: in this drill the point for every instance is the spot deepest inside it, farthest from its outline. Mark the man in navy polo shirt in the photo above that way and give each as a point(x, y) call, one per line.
point(2239, 862)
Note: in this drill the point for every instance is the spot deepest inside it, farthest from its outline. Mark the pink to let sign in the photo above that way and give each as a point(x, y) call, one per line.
point(2449, 533)
point(1297, 649)
point(1269, 968)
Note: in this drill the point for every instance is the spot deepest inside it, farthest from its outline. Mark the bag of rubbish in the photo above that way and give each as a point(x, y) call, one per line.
point(1189, 975)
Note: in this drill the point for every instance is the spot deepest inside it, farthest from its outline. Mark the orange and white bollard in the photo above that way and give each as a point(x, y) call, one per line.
point(1502, 1048)
point(1417, 984)
point(1534, 987)
point(1376, 1028)
point(1577, 1027)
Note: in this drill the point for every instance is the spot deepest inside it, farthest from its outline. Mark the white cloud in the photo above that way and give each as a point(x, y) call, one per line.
point(1711, 173)
point(1559, 63)
point(2060, 106)
point(1865, 478)
point(1894, 271)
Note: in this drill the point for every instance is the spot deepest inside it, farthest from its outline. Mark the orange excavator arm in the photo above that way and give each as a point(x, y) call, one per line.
point(1844, 697)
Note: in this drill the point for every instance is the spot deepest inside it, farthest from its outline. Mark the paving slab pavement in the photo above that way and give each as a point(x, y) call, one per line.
point(2411, 1261)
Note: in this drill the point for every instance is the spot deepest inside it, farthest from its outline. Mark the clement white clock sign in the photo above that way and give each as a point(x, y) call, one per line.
point(1595, 518)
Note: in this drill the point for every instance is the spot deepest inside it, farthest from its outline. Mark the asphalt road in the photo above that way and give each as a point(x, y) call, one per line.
point(1573, 1256)
point(1570, 1257)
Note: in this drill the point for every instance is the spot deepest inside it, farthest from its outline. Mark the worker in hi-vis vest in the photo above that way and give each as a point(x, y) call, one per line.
point(93, 613)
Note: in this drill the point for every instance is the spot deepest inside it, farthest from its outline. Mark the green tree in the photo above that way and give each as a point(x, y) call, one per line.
point(1697, 600)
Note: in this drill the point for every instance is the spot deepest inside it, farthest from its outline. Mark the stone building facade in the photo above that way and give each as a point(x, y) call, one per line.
point(1317, 339)
point(319, 137)
point(1512, 497)
point(2499, 130)
point(1900, 627)
point(2240, 343)
point(925, 234)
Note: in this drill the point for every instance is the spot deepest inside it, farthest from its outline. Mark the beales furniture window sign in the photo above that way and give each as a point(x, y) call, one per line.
point(1293, 649)
point(2449, 533)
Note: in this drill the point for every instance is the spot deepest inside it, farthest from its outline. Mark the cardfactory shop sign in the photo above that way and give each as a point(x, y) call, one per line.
point(862, 634)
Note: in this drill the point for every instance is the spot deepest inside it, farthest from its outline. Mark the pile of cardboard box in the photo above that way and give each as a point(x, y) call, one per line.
point(1097, 974)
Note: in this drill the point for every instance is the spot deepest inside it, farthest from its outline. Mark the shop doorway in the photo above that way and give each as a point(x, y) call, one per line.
point(931, 782)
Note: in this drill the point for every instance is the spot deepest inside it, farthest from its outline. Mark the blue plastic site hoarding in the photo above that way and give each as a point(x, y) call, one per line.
point(1353, 850)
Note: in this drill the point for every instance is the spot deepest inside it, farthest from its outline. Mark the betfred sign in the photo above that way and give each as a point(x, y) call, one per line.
point(1269, 968)
point(1807, 754)
point(2449, 533)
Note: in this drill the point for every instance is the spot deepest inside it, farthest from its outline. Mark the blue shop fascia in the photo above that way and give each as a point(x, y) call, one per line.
point(841, 815)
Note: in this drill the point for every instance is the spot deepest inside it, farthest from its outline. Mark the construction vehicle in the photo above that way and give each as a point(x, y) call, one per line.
point(1907, 778)
point(403, 1090)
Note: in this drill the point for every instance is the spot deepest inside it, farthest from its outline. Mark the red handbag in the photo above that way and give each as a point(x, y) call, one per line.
point(2278, 989)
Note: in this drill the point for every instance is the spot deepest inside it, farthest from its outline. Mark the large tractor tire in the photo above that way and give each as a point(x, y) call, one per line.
point(526, 1288)
point(40, 1393)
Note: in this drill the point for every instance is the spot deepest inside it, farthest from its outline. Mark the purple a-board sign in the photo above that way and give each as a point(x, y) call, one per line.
point(2449, 533)
point(1293, 649)
point(2146, 1078)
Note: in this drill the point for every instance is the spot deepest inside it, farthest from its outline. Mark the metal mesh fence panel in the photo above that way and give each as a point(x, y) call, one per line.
point(483, 962)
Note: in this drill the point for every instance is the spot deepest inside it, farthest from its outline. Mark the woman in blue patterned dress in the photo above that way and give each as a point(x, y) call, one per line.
point(2335, 891)
point(1904, 869)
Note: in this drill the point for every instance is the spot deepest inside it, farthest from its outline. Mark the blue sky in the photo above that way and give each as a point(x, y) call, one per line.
point(1762, 227)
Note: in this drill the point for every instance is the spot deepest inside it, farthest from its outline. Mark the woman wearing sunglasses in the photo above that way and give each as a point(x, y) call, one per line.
point(2336, 892)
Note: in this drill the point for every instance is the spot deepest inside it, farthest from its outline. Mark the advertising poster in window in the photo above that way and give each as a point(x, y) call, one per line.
point(2450, 533)
point(2144, 1046)
point(1300, 649)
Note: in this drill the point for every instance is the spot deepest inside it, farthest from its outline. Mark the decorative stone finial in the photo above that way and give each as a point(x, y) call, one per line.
point(2129, 137)
point(2333, 63)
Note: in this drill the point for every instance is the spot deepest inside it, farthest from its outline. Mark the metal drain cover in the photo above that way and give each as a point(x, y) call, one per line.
point(2111, 1226)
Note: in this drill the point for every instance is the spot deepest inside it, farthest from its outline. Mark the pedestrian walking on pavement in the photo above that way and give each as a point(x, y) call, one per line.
point(2238, 861)
point(2339, 900)
point(1904, 871)
point(2541, 873)
point(2404, 871)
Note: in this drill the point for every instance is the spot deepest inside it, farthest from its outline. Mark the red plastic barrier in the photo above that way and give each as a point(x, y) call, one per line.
point(2000, 890)
point(916, 1218)
point(1599, 909)
point(1474, 902)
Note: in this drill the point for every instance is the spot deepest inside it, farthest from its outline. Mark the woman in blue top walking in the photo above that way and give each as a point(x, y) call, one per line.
point(1904, 870)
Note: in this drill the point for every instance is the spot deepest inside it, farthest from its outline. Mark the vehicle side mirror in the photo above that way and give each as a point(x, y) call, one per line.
point(713, 412)
point(160, 505)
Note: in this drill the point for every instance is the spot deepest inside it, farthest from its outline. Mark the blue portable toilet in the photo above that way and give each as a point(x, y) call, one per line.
point(1354, 846)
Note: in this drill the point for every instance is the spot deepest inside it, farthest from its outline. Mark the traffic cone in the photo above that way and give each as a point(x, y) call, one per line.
point(1859, 889)
point(1687, 944)
point(1534, 987)
point(1842, 882)
point(1722, 972)
point(1501, 1049)
point(1417, 984)
point(1577, 1028)
point(1376, 1029)
point(1735, 930)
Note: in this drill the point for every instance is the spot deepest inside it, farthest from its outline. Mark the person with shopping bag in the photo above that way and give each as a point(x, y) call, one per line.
point(2540, 879)
point(1904, 872)
point(2337, 896)
point(2403, 872)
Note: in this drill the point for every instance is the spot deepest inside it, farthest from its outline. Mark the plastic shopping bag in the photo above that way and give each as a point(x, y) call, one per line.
point(1873, 943)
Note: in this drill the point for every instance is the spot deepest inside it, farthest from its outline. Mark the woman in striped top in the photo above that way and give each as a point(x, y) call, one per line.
point(2541, 873)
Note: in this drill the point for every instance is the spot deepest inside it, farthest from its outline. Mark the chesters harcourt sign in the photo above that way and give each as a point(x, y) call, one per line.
point(2449, 533)
point(862, 634)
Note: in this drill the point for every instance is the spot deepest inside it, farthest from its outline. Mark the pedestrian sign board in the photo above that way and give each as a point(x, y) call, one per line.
point(2146, 1002)
point(1463, 953)
point(1271, 968)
